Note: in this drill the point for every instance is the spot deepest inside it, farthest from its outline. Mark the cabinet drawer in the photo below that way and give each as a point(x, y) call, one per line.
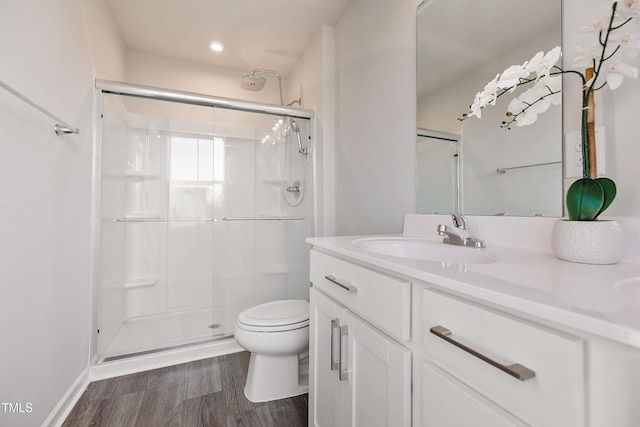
point(381, 299)
point(553, 396)
point(448, 402)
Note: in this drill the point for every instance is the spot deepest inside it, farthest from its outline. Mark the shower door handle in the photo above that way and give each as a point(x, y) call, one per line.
point(335, 361)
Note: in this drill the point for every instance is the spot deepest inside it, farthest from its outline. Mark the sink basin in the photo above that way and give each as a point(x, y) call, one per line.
point(423, 249)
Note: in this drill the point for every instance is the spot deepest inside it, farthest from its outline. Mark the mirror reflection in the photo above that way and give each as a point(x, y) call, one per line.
point(475, 166)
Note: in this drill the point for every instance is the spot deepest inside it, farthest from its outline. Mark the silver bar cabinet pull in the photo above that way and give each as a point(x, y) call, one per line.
point(335, 364)
point(343, 373)
point(345, 286)
point(516, 370)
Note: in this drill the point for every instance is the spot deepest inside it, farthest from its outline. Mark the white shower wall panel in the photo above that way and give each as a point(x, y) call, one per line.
point(189, 266)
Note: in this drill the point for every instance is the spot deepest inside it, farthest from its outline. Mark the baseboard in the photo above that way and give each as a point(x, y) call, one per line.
point(68, 401)
point(147, 362)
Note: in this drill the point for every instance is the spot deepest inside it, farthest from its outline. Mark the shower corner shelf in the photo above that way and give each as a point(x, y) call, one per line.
point(139, 175)
point(276, 182)
point(143, 282)
point(275, 271)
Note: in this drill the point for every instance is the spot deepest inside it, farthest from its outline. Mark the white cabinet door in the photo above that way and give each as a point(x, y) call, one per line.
point(379, 378)
point(359, 376)
point(325, 390)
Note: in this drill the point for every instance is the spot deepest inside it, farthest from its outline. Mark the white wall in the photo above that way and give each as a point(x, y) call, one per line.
point(314, 79)
point(107, 48)
point(159, 71)
point(375, 139)
point(45, 206)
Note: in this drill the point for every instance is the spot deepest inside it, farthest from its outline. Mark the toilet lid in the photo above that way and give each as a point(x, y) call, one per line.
point(276, 313)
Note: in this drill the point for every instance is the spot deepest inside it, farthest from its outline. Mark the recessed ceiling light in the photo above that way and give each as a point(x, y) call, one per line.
point(216, 46)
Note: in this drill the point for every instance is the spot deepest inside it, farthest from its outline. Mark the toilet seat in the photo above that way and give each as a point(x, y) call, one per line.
point(276, 316)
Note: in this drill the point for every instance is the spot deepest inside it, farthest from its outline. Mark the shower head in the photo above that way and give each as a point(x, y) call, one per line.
point(256, 83)
point(252, 82)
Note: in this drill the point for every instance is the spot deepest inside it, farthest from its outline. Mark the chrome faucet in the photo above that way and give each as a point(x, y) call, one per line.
point(459, 234)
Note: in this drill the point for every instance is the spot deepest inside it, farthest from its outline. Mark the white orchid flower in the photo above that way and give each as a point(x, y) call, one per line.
point(534, 63)
point(510, 77)
point(554, 85)
point(518, 109)
point(536, 100)
point(630, 7)
point(617, 71)
point(523, 113)
point(542, 64)
point(596, 26)
point(537, 97)
point(585, 56)
point(549, 61)
point(628, 40)
point(546, 89)
point(485, 97)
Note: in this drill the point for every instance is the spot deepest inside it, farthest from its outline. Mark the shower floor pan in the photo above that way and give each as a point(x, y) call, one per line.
point(149, 334)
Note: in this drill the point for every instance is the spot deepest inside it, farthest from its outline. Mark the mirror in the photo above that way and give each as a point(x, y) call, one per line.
point(475, 166)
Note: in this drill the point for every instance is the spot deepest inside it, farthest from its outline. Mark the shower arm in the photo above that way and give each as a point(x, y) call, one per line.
point(275, 73)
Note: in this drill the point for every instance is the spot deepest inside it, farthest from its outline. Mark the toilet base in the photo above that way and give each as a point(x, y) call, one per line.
point(276, 377)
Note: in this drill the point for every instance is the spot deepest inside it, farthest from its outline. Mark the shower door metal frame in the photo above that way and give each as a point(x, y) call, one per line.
point(149, 92)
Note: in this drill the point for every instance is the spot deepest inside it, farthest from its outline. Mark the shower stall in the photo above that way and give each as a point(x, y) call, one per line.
point(203, 206)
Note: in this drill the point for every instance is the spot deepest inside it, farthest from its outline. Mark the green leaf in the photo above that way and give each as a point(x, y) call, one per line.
point(585, 199)
point(610, 192)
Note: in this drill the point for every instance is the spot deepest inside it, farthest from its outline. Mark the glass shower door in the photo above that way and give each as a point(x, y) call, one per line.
point(265, 211)
point(158, 182)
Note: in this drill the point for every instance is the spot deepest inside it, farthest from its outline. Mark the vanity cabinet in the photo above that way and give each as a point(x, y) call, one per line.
point(360, 375)
point(412, 345)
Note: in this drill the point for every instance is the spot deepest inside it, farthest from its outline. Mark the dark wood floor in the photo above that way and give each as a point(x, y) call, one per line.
point(206, 393)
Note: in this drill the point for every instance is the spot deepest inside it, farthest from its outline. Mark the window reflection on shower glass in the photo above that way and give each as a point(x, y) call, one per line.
point(196, 175)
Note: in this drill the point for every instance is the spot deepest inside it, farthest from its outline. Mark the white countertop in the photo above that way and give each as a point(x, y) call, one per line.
point(603, 300)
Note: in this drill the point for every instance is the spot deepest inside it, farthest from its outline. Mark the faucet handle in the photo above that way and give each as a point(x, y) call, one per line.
point(459, 221)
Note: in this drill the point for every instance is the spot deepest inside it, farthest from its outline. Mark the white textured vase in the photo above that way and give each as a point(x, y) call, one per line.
point(588, 242)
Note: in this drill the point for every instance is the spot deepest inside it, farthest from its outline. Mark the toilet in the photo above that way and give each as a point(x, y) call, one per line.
point(277, 335)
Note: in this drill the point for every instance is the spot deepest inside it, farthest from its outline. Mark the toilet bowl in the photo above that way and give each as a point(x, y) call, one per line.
point(277, 335)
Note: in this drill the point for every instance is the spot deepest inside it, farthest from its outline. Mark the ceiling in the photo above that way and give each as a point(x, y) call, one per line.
point(457, 37)
point(269, 34)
